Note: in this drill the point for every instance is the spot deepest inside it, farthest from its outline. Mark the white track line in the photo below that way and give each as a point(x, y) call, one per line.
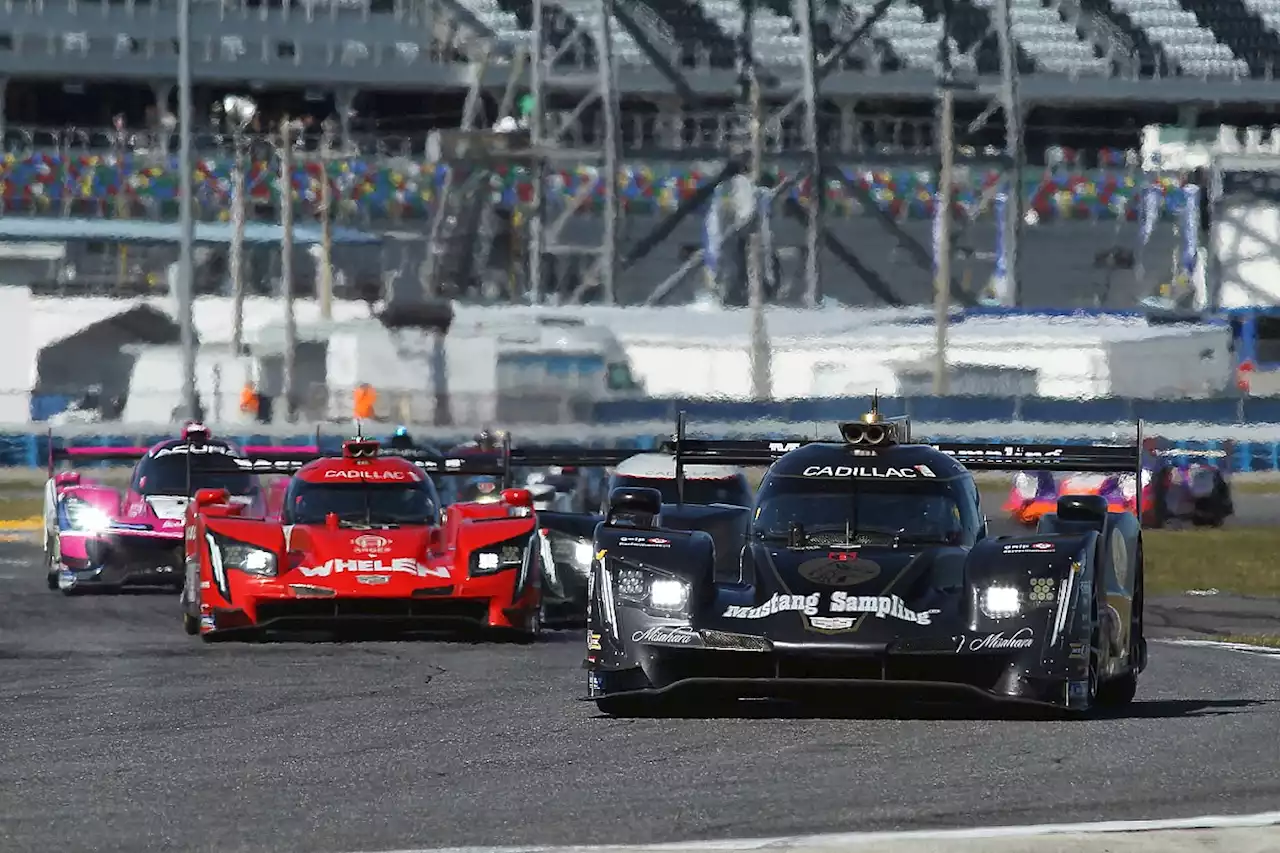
point(1248, 648)
point(1263, 819)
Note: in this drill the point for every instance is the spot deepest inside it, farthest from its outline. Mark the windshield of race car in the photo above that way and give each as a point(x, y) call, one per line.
point(830, 511)
point(361, 503)
point(731, 490)
point(167, 475)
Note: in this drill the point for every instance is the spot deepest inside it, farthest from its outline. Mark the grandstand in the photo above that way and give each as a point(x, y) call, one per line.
point(393, 70)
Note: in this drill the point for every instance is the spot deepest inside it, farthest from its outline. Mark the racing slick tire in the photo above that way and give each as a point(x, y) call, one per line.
point(50, 573)
point(190, 624)
point(1119, 692)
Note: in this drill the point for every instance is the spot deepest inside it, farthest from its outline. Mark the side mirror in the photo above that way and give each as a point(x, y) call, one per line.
point(434, 538)
point(67, 478)
point(331, 521)
point(517, 497)
point(208, 497)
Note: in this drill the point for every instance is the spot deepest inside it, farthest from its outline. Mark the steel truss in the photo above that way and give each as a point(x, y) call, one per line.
point(551, 80)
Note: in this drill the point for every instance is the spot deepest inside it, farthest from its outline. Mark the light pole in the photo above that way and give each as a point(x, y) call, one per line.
point(288, 129)
point(237, 111)
point(330, 128)
point(186, 221)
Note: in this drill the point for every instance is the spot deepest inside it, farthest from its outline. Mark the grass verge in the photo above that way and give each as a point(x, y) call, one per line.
point(20, 507)
point(1240, 560)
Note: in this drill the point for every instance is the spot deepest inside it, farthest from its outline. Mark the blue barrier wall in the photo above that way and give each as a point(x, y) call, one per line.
point(32, 449)
point(1220, 411)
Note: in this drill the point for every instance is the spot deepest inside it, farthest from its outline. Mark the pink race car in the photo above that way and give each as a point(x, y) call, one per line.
point(96, 538)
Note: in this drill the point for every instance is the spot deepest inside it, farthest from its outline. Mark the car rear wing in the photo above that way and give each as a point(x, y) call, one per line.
point(133, 454)
point(1124, 459)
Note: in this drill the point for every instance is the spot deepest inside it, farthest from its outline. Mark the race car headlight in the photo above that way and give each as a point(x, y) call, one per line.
point(85, 517)
point(247, 558)
point(651, 591)
point(1026, 485)
point(497, 558)
point(1000, 602)
point(573, 550)
point(668, 594)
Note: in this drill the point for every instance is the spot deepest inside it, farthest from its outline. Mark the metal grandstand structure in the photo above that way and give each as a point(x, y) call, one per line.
point(470, 153)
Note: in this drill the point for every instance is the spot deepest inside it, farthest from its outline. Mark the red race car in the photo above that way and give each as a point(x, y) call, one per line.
point(362, 541)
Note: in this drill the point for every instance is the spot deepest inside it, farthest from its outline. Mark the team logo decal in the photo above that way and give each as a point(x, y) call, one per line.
point(838, 569)
point(371, 544)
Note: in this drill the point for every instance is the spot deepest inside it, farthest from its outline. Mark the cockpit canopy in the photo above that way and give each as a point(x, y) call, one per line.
point(830, 511)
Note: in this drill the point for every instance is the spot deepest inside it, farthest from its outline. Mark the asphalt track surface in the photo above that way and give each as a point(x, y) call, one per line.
point(120, 733)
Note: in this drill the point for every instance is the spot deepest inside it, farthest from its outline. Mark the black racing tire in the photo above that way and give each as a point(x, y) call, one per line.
point(190, 624)
point(1119, 692)
point(50, 571)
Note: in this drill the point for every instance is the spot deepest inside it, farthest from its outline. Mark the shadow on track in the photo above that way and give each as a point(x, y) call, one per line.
point(374, 635)
point(769, 709)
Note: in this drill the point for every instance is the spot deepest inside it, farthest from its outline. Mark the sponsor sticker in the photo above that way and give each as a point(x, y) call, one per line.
point(644, 542)
point(595, 684)
point(838, 569)
point(373, 580)
point(1006, 452)
point(667, 635)
point(1077, 689)
point(869, 472)
point(370, 544)
point(1023, 638)
point(192, 449)
point(1029, 547)
point(353, 474)
point(880, 606)
point(400, 565)
point(593, 641)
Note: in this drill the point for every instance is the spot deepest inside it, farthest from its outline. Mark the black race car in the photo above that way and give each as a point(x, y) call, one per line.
point(711, 496)
point(866, 564)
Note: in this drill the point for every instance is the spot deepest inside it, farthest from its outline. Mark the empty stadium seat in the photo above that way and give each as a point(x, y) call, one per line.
point(1194, 49)
point(699, 39)
point(775, 37)
point(971, 28)
point(1242, 29)
point(1150, 57)
point(1050, 41)
point(501, 21)
point(1268, 11)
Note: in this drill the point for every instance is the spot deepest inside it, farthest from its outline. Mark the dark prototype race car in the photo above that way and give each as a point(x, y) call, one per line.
point(866, 564)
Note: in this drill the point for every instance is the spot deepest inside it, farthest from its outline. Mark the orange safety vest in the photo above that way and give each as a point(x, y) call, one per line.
point(249, 399)
point(365, 397)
